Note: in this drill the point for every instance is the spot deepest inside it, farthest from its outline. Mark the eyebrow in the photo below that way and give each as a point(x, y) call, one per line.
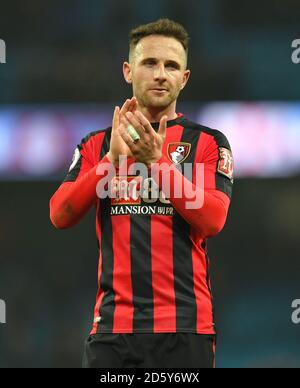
point(168, 61)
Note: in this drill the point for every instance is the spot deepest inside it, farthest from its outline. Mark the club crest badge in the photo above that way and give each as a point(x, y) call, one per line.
point(178, 152)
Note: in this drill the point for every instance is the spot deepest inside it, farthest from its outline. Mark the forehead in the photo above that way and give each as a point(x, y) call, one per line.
point(160, 47)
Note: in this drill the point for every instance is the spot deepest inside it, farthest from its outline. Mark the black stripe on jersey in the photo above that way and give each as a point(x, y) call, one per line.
point(186, 306)
point(87, 138)
point(204, 245)
point(74, 173)
point(106, 143)
point(223, 183)
point(141, 272)
point(107, 307)
point(190, 136)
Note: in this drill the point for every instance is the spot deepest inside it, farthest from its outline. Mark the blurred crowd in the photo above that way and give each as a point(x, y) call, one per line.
point(73, 50)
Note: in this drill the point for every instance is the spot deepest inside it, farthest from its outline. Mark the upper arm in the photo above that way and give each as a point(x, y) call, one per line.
point(77, 193)
point(84, 159)
point(215, 153)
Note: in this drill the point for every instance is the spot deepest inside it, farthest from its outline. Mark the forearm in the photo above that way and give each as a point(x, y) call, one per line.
point(72, 200)
point(205, 210)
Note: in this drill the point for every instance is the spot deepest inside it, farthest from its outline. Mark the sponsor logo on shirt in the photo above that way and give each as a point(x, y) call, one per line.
point(125, 190)
point(135, 195)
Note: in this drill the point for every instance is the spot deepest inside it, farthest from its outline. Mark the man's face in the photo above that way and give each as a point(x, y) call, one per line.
point(157, 71)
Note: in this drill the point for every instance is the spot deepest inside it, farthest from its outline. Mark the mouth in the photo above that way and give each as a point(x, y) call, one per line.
point(158, 90)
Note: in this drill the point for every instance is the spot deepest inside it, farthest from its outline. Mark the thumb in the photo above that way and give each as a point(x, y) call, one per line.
point(163, 126)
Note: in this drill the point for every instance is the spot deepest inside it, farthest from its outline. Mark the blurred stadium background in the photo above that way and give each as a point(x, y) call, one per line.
point(62, 79)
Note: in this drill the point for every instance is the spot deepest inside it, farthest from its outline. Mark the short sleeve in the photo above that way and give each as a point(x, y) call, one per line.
point(218, 162)
point(83, 160)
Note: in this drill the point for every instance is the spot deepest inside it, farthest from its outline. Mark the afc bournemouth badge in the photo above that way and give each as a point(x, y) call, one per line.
point(225, 164)
point(178, 152)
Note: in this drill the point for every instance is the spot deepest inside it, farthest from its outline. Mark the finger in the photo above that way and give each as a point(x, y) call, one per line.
point(130, 105)
point(125, 106)
point(116, 118)
point(130, 116)
point(144, 122)
point(133, 133)
point(133, 105)
point(163, 126)
point(126, 137)
point(129, 119)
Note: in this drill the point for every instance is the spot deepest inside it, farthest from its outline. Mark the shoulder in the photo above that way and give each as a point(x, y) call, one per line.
point(212, 135)
point(94, 137)
point(92, 144)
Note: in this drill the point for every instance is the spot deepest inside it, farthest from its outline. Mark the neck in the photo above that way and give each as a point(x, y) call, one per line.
point(155, 114)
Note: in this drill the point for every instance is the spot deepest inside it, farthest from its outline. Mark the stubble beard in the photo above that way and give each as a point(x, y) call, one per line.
point(152, 102)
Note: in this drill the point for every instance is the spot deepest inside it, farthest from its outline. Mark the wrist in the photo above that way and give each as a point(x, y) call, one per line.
point(113, 160)
point(154, 160)
point(157, 157)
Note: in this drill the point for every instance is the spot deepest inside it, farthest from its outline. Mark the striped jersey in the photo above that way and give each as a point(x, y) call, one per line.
point(154, 270)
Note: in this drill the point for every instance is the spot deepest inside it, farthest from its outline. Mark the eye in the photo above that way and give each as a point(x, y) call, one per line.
point(149, 62)
point(172, 66)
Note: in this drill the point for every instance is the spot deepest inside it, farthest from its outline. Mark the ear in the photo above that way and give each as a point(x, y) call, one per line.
point(185, 79)
point(127, 72)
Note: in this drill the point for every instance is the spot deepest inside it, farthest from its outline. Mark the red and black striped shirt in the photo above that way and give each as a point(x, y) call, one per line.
point(153, 272)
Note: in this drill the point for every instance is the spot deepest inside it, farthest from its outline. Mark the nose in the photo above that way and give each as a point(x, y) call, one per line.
point(160, 73)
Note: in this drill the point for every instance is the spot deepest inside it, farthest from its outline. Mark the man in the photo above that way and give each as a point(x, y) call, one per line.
point(154, 303)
